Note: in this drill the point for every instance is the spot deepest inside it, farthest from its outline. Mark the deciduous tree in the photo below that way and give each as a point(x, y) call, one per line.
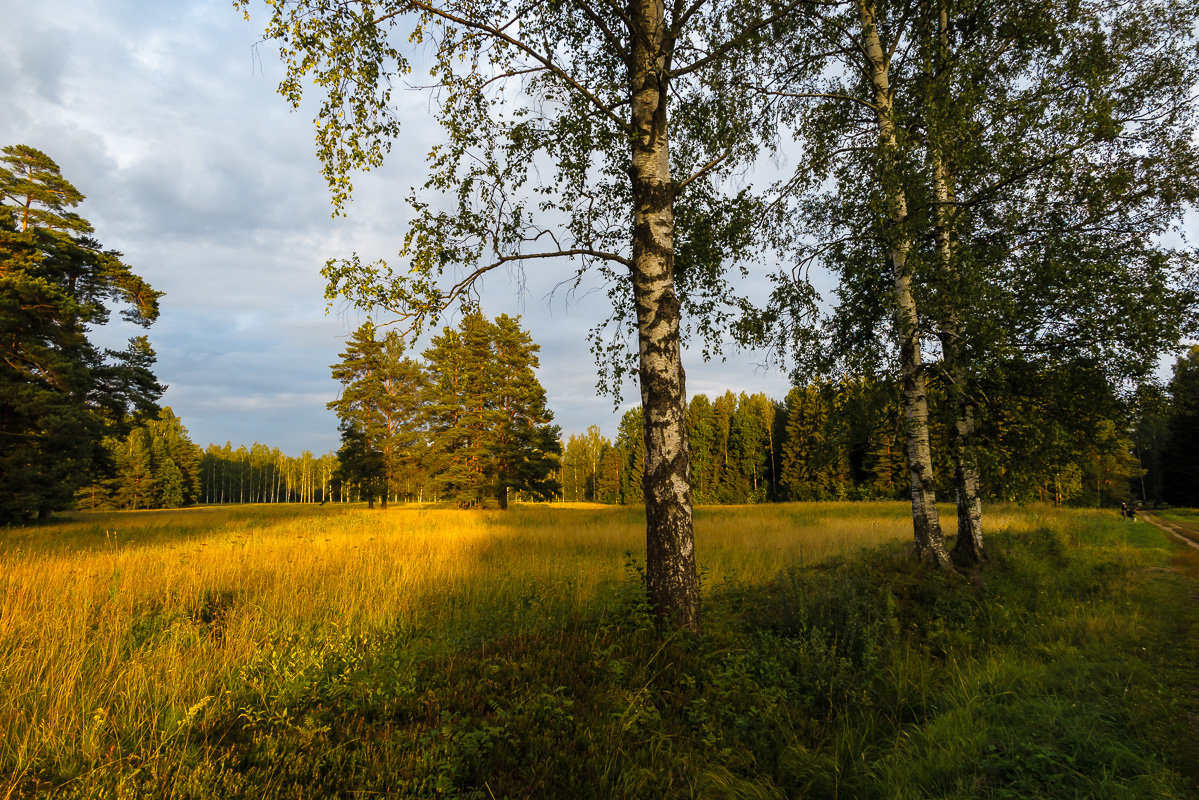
point(634, 113)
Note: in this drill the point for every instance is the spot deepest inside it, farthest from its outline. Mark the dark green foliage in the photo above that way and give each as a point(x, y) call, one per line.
point(380, 410)
point(154, 465)
point(58, 394)
point(361, 466)
point(490, 434)
point(814, 455)
point(630, 443)
point(1180, 461)
point(1057, 435)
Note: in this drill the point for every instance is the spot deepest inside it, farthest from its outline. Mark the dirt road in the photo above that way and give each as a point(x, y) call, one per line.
point(1187, 533)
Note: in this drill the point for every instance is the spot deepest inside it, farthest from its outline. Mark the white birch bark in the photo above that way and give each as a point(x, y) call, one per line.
point(671, 578)
point(930, 542)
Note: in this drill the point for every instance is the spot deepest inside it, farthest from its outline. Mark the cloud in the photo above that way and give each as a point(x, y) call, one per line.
point(166, 117)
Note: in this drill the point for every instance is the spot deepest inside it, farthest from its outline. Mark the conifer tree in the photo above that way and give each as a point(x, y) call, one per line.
point(630, 444)
point(814, 461)
point(137, 484)
point(607, 483)
point(1180, 461)
point(58, 394)
point(490, 433)
point(381, 401)
point(702, 436)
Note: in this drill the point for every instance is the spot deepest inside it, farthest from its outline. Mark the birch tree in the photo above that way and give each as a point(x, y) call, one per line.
point(586, 130)
point(1021, 162)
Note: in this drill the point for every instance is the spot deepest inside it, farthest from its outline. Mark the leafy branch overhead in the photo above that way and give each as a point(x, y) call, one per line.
point(535, 105)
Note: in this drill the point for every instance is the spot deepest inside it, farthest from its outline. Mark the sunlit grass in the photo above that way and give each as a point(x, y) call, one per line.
point(112, 625)
point(118, 631)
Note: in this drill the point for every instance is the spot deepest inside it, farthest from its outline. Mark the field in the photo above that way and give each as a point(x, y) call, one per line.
point(300, 651)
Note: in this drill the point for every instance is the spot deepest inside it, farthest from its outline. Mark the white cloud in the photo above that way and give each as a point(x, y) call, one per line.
point(165, 116)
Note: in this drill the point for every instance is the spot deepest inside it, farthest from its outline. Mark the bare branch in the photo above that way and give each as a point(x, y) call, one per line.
point(704, 170)
point(498, 33)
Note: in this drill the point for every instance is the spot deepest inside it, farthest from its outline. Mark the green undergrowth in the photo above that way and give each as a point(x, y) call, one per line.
point(1065, 669)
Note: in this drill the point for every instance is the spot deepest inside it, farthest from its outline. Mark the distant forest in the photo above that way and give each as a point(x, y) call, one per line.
point(1058, 435)
point(1062, 436)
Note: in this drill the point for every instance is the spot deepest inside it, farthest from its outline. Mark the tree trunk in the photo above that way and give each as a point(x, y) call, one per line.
point(969, 547)
point(930, 542)
point(501, 496)
point(672, 581)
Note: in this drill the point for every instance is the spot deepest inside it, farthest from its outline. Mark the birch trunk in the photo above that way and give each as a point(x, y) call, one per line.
point(671, 578)
point(930, 542)
point(969, 546)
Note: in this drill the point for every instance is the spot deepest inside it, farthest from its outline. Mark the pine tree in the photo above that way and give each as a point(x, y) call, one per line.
point(381, 399)
point(525, 450)
point(490, 433)
point(56, 282)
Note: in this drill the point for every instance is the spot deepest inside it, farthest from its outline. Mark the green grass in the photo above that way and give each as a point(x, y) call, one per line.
point(1187, 516)
point(303, 653)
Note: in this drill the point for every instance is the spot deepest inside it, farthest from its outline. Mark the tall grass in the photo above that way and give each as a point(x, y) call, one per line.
point(121, 632)
point(113, 625)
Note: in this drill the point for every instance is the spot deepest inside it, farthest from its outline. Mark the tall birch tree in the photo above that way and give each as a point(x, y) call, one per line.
point(634, 114)
point(1021, 161)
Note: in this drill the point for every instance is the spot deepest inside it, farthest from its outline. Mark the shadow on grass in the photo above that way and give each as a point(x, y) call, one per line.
point(1056, 672)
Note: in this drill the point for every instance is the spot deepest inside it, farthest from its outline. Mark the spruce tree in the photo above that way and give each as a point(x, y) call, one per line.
point(1180, 461)
point(814, 460)
point(630, 443)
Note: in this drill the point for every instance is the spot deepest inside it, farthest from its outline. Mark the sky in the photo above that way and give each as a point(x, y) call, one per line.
point(165, 115)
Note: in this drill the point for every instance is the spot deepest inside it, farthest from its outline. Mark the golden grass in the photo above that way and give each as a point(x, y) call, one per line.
point(117, 628)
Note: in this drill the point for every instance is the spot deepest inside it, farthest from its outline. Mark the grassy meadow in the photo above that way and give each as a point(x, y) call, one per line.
point(306, 651)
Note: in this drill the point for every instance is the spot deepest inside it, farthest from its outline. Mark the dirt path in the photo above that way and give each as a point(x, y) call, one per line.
point(1185, 533)
point(1186, 563)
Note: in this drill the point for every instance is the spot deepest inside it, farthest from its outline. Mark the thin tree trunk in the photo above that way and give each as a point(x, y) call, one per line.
point(930, 542)
point(671, 578)
point(969, 547)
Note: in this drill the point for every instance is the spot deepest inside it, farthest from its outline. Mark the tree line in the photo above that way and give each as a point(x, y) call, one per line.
point(1067, 438)
point(156, 465)
point(1061, 438)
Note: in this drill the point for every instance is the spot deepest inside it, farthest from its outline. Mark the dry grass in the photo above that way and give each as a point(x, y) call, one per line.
point(117, 629)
